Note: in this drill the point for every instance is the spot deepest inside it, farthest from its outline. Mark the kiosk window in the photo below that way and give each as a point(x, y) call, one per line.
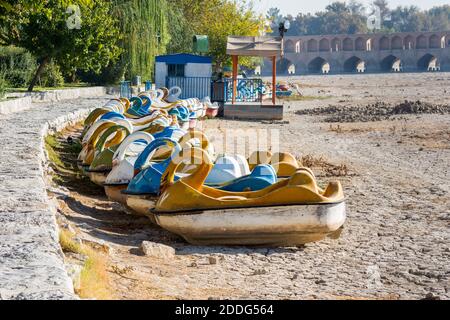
point(176, 70)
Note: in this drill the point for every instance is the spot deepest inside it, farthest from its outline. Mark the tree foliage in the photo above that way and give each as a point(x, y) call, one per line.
point(17, 66)
point(181, 31)
point(42, 28)
point(145, 34)
point(351, 17)
point(219, 19)
point(121, 37)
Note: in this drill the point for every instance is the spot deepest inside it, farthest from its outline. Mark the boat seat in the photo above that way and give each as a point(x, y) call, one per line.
point(284, 163)
point(259, 157)
point(305, 179)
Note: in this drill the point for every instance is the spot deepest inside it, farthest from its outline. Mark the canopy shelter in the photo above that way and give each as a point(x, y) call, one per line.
point(265, 47)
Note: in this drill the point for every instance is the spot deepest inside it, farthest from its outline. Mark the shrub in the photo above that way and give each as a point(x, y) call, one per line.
point(3, 85)
point(18, 66)
point(52, 76)
point(112, 74)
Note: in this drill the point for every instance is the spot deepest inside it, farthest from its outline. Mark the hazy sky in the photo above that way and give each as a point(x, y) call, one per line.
point(295, 6)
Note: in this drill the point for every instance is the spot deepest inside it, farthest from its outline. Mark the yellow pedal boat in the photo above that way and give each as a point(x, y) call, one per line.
point(293, 211)
point(284, 163)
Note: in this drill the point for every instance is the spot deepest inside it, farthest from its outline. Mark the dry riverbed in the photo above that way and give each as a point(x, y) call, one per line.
point(395, 171)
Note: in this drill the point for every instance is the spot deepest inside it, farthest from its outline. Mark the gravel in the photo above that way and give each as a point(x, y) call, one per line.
point(377, 111)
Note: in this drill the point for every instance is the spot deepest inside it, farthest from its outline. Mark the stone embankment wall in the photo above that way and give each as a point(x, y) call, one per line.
point(23, 101)
point(31, 261)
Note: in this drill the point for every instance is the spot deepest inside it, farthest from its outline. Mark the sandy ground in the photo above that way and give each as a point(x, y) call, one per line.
point(395, 244)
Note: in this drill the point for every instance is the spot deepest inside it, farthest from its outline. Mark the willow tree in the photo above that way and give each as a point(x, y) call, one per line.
point(144, 28)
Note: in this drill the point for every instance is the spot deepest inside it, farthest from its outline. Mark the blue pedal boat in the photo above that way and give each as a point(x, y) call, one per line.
point(144, 189)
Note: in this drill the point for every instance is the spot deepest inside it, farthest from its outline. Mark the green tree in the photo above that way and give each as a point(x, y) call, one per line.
point(407, 19)
point(340, 17)
point(438, 18)
point(230, 18)
point(145, 34)
point(274, 16)
point(218, 19)
point(18, 66)
point(181, 31)
point(82, 36)
point(300, 24)
point(356, 7)
point(383, 5)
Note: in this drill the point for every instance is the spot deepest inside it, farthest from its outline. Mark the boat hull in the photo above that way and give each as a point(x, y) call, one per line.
point(212, 113)
point(114, 193)
point(268, 226)
point(142, 205)
point(99, 178)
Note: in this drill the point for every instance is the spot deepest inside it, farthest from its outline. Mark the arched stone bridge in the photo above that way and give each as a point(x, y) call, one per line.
point(382, 52)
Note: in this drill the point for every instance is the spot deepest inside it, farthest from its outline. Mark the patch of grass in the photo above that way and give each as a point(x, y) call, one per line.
point(67, 243)
point(304, 98)
point(336, 129)
point(63, 155)
point(340, 129)
point(39, 89)
point(94, 277)
point(51, 144)
point(3, 84)
point(121, 271)
point(330, 169)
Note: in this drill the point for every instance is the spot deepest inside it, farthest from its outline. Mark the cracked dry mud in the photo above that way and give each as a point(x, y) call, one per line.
point(395, 244)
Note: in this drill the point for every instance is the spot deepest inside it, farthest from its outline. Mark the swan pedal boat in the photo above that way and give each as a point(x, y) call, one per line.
point(292, 212)
point(101, 165)
point(228, 173)
point(123, 170)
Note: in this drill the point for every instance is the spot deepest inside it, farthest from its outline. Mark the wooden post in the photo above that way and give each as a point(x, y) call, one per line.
point(274, 79)
point(235, 75)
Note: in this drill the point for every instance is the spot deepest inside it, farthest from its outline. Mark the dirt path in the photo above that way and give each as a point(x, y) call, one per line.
point(395, 242)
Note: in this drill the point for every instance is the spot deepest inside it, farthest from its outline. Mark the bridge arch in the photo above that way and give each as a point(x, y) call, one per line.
point(319, 65)
point(336, 45)
point(421, 42)
point(354, 64)
point(324, 45)
point(384, 43)
point(283, 66)
point(391, 63)
point(301, 67)
point(434, 42)
point(428, 63)
point(409, 42)
point(347, 44)
point(312, 45)
point(396, 43)
point(360, 44)
point(289, 46)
